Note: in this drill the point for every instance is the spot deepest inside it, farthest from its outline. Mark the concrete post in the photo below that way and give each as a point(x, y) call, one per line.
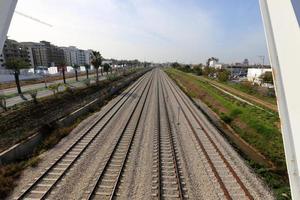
point(283, 39)
point(7, 8)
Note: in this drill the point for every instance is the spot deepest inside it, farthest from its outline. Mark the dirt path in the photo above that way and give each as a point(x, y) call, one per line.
point(248, 97)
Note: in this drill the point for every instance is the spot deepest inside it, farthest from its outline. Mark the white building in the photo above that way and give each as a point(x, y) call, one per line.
point(70, 54)
point(80, 56)
point(52, 70)
point(88, 56)
point(212, 63)
point(254, 74)
point(75, 56)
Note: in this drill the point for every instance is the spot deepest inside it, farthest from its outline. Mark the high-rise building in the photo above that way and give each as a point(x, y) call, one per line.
point(75, 56)
point(88, 56)
point(44, 54)
point(55, 54)
point(80, 57)
point(39, 53)
point(13, 49)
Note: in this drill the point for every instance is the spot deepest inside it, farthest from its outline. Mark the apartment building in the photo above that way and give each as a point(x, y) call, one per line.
point(55, 54)
point(75, 56)
point(44, 54)
point(88, 54)
point(13, 49)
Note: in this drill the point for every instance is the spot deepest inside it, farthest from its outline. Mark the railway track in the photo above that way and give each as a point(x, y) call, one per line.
point(168, 181)
point(105, 185)
point(44, 184)
point(115, 146)
point(230, 183)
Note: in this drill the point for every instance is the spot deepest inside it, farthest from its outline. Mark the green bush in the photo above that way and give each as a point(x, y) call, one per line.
point(87, 82)
point(223, 75)
point(3, 102)
point(235, 112)
point(227, 119)
point(111, 77)
point(54, 87)
point(33, 94)
point(198, 70)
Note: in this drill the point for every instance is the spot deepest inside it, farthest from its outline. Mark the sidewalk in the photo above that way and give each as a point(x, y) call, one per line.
point(37, 86)
point(42, 91)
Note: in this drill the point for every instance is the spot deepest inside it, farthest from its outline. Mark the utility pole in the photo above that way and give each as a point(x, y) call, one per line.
point(283, 39)
point(263, 60)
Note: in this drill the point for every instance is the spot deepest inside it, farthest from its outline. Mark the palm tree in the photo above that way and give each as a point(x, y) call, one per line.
point(87, 67)
point(106, 67)
point(76, 67)
point(62, 67)
point(16, 64)
point(96, 62)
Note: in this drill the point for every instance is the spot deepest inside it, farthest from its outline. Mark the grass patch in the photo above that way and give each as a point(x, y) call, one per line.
point(257, 127)
point(253, 90)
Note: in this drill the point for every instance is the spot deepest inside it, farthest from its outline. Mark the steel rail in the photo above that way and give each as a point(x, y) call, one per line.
point(175, 159)
point(131, 142)
point(100, 177)
point(36, 182)
point(160, 190)
point(243, 187)
point(222, 185)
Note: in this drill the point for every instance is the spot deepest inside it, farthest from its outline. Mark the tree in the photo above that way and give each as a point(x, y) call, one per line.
point(62, 68)
point(76, 67)
point(106, 67)
point(175, 65)
point(87, 68)
point(209, 71)
point(198, 70)
point(186, 68)
point(16, 64)
point(267, 77)
point(96, 62)
point(223, 75)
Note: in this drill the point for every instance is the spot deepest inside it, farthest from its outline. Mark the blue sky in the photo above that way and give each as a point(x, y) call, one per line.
point(186, 31)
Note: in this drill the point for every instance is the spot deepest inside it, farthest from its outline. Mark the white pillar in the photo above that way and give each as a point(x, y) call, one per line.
point(283, 39)
point(7, 8)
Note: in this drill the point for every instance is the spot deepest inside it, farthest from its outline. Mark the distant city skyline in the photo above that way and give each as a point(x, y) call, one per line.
point(160, 31)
